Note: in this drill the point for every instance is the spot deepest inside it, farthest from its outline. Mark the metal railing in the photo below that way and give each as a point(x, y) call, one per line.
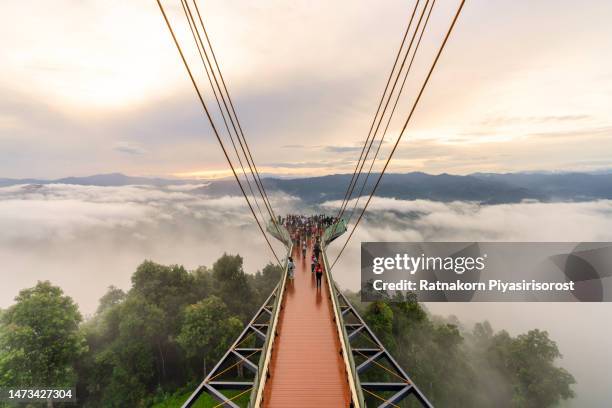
point(347, 355)
point(372, 358)
point(264, 361)
point(263, 327)
point(334, 231)
point(236, 356)
point(376, 357)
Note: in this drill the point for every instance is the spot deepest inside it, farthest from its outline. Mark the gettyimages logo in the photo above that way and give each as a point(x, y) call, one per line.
point(413, 264)
point(488, 271)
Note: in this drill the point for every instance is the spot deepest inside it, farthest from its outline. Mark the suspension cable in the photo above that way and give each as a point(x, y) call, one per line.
point(191, 23)
point(212, 124)
point(386, 104)
point(233, 110)
point(235, 122)
point(382, 97)
point(382, 139)
point(200, 42)
point(389, 97)
point(399, 138)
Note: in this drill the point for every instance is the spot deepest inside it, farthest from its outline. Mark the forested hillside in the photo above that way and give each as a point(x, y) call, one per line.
point(151, 345)
point(457, 366)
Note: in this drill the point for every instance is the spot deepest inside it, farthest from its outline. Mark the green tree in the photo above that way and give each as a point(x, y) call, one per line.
point(482, 334)
point(40, 339)
point(529, 360)
point(232, 285)
point(112, 297)
point(265, 281)
point(432, 350)
point(208, 329)
point(202, 283)
point(168, 287)
point(380, 319)
point(134, 357)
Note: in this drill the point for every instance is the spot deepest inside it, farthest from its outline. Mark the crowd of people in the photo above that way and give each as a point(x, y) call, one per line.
point(305, 231)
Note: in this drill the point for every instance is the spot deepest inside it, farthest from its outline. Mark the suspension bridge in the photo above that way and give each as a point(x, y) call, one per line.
point(307, 347)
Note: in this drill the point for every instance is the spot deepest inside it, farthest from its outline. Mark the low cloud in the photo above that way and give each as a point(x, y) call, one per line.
point(322, 164)
point(595, 131)
point(100, 234)
point(129, 148)
point(356, 148)
point(390, 219)
point(85, 238)
point(343, 149)
point(512, 120)
point(586, 354)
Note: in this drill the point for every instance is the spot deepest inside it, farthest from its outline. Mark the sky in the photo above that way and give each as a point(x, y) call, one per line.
point(94, 86)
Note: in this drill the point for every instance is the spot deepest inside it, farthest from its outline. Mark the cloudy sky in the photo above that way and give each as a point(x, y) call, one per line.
point(94, 86)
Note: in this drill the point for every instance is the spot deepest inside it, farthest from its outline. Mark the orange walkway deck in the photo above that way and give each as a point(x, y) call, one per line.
point(306, 367)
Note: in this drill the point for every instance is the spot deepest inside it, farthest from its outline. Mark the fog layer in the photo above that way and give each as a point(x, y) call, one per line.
point(85, 238)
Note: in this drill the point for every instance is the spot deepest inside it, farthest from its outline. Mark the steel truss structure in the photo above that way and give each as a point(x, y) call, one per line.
point(229, 373)
point(228, 382)
point(378, 380)
point(382, 380)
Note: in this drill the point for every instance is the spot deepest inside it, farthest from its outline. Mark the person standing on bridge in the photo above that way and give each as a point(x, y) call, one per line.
point(304, 250)
point(290, 268)
point(319, 274)
point(317, 249)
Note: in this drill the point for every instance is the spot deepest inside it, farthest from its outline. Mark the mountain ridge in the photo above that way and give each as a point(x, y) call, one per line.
point(488, 188)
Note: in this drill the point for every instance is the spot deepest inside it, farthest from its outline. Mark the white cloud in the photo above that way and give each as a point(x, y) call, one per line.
point(48, 224)
point(390, 219)
point(130, 148)
point(85, 238)
point(186, 187)
point(40, 219)
point(585, 355)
